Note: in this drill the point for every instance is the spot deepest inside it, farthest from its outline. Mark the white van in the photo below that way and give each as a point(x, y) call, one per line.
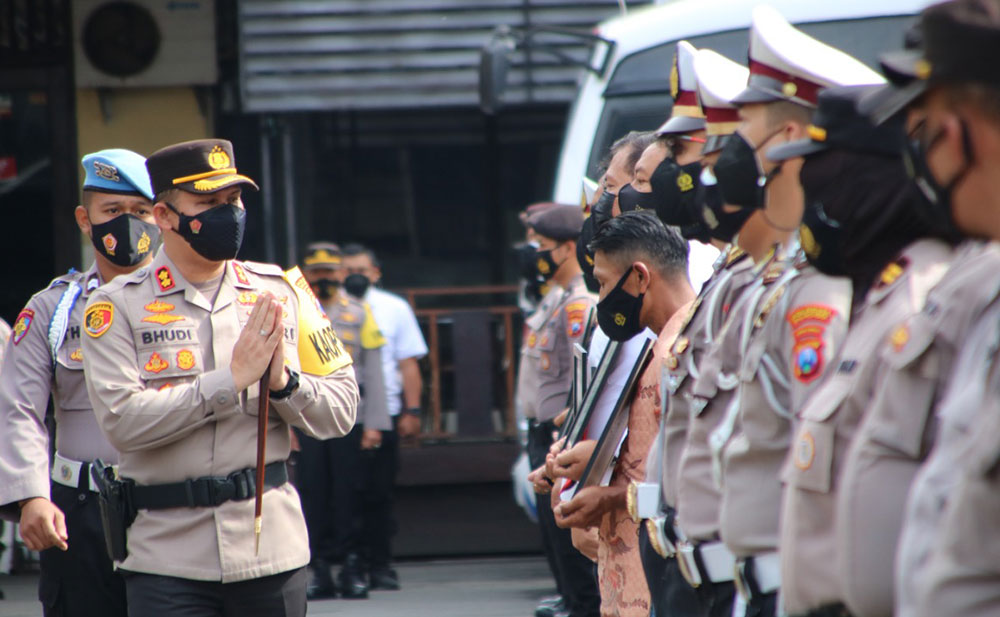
point(633, 92)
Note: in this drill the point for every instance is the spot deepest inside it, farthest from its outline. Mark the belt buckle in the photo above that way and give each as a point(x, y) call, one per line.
point(685, 550)
point(740, 580)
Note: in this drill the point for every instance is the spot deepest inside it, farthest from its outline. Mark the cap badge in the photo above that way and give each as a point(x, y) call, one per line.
point(110, 243)
point(789, 89)
point(816, 133)
point(218, 159)
point(108, 172)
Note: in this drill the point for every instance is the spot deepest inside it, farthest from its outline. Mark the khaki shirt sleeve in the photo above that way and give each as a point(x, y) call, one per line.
point(814, 328)
point(25, 383)
point(135, 417)
point(322, 407)
point(376, 412)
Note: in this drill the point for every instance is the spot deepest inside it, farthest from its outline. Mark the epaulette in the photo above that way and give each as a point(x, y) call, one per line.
point(132, 278)
point(261, 268)
point(891, 273)
point(735, 256)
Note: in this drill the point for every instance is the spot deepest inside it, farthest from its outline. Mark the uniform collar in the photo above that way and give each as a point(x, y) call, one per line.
point(167, 279)
point(90, 279)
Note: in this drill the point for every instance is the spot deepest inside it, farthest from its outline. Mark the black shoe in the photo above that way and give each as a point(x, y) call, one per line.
point(550, 608)
point(384, 579)
point(353, 585)
point(321, 586)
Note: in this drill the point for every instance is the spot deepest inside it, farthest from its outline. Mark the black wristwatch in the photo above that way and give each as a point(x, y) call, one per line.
point(291, 386)
point(413, 411)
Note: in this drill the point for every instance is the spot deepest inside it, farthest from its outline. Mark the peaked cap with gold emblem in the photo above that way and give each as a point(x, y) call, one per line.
point(687, 115)
point(199, 166)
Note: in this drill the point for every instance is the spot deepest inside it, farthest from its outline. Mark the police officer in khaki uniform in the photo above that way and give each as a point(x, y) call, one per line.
point(859, 223)
point(331, 469)
point(718, 79)
point(173, 356)
point(793, 321)
point(43, 360)
point(947, 556)
point(546, 373)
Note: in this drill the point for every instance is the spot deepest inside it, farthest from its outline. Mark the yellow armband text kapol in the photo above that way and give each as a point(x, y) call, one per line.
point(320, 351)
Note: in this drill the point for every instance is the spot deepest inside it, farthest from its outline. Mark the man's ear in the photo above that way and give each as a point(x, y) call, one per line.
point(644, 277)
point(82, 219)
point(161, 214)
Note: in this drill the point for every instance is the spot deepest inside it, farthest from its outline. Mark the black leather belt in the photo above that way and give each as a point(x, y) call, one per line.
point(205, 492)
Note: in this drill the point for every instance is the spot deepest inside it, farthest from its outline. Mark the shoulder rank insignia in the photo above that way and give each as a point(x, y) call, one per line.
point(77, 355)
point(735, 254)
point(164, 278)
point(240, 273)
point(98, 317)
point(900, 337)
point(163, 318)
point(691, 312)
point(808, 324)
point(155, 364)
point(22, 325)
point(892, 272)
point(159, 307)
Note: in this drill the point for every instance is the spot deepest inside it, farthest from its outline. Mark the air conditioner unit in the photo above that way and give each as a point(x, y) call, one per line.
point(140, 43)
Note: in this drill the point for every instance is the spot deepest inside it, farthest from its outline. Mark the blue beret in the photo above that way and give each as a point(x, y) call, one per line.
point(117, 171)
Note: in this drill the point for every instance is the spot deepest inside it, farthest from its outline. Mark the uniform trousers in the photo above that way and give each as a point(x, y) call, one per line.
point(574, 572)
point(81, 581)
point(379, 468)
point(280, 595)
point(763, 605)
point(328, 481)
point(672, 596)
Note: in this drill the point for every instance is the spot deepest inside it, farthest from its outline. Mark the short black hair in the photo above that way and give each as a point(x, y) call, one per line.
point(641, 236)
point(636, 141)
point(353, 249)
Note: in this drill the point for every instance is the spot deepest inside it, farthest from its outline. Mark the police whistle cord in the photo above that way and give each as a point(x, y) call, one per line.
point(263, 398)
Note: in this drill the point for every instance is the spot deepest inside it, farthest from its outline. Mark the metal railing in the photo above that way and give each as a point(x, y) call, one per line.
point(432, 319)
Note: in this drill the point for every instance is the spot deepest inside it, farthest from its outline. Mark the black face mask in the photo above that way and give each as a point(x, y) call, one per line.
point(600, 212)
point(675, 188)
point(630, 199)
point(741, 177)
point(721, 225)
point(618, 312)
point(583, 255)
point(356, 284)
point(325, 288)
point(217, 233)
point(545, 264)
point(822, 239)
point(935, 197)
point(124, 240)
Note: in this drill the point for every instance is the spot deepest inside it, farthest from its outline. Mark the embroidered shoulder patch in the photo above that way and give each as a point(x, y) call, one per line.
point(164, 278)
point(809, 323)
point(576, 315)
point(22, 324)
point(98, 318)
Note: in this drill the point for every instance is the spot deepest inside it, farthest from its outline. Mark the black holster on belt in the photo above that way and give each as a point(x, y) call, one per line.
point(117, 511)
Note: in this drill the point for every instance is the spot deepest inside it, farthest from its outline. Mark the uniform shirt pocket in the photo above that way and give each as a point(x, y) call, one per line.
point(548, 357)
point(167, 364)
point(904, 401)
point(810, 459)
point(69, 371)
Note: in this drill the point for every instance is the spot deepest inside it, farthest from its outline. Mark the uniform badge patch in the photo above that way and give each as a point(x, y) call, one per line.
point(805, 451)
point(808, 324)
point(155, 364)
point(247, 298)
point(110, 243)
point(545, 361)
point(892, 272)
point(900, 336)
point(241, 274)
point(347, 318)
point(98, 318)
point(681, 345)
point(164, 278)
point(163, 319)
point(159, 307)
point(810, 312)
point(532, 339)
point(77, 355)
point(807, 359)
point(142, 246)
point(165, 386)
point(185, 359)
point(22, 325)
point(576, 314)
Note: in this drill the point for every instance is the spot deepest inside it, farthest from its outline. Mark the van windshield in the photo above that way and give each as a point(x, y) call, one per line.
point(637, 97)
